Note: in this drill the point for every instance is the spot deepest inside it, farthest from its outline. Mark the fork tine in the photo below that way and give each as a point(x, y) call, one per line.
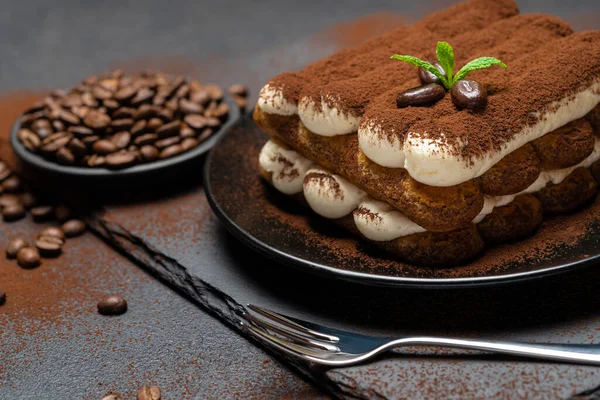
point(290, 334)
point(293, 349)
point(280, 319)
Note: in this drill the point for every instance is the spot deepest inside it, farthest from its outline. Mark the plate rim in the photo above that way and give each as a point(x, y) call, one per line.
point(363, 277)
point(40, 162)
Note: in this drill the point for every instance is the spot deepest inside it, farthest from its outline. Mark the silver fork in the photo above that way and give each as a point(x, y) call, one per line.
point(322, 345)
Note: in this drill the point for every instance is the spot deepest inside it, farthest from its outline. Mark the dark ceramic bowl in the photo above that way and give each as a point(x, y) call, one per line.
point(39, 169)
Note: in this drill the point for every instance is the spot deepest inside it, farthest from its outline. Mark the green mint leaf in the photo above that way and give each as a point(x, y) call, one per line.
point(425, 65)
point(445, 56)
point(478, 63)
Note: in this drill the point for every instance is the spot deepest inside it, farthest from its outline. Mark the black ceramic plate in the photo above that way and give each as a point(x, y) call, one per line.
point(276, 226)
point(164, 167)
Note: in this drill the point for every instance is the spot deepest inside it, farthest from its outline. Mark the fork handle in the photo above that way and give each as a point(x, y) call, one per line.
point(577, 353)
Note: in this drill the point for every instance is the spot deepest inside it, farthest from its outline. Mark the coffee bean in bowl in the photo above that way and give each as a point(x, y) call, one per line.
point(104, 125)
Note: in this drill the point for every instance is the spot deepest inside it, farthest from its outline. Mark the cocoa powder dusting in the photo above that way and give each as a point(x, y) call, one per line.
point(518, 98)
point(326, 182)
point(356, 62)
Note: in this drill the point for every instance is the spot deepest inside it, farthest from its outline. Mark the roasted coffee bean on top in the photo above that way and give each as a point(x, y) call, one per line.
point(109, 121)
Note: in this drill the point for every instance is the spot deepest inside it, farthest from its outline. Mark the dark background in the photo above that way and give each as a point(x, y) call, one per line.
point(47, 44)
point(53, 43)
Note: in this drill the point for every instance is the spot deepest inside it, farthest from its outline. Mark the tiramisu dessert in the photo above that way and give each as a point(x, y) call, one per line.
point(437, 139)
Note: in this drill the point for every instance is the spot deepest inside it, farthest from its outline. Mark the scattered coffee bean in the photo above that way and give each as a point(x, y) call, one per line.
point(149, 393)
point(238, 89)
point(112, 396)
point(427, 77)
point(13, 212)
point(468, 94)
point(28, 257)
point(49, 246)
point(12, 185)
point(214, 91)
point(149, 152)
point(241, 102)
point(2, 297)
point(14, 246)
point(112, 305)
point(52, 231)
point(42, 213)
point(73, 227)
point(421, 96)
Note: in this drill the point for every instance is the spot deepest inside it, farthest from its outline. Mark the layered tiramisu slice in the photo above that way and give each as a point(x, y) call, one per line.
point(429, 163)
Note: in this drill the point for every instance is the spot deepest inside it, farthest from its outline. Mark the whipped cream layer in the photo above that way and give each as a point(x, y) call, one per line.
point(379, 222)
point(287, 166)
point(326, 120)
point(554, 176)
point(332, 196)
point(385, 150)
point(431, 162)
point(272, 101)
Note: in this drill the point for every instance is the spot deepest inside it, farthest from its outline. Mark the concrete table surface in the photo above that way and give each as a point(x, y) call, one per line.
point(52, 342)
